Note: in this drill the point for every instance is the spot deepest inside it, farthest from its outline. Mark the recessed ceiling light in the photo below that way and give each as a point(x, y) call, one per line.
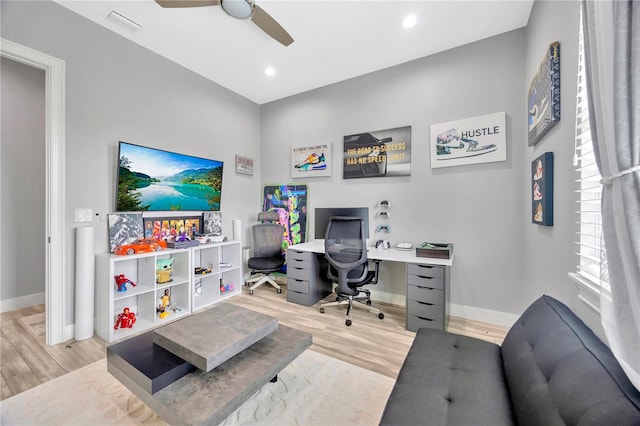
point(409, 21)
point(270, 71)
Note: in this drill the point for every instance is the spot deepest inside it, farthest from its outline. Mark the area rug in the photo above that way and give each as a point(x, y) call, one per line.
point(314, 389)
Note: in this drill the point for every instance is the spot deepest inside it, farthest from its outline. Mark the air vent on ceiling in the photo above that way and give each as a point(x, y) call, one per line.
point(123, 20)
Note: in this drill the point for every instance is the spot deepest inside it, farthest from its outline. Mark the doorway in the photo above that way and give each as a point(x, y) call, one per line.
point(54, 186)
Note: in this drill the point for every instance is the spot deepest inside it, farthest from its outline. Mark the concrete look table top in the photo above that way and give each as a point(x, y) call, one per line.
point(201, 398)
point(211, 337)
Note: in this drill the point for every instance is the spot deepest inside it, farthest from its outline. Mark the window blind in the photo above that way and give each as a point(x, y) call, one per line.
point(589, 241)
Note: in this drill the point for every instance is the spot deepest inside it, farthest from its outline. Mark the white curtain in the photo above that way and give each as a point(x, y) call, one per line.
point(612, 53)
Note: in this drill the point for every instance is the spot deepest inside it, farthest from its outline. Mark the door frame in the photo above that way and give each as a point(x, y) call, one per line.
point(54, 69)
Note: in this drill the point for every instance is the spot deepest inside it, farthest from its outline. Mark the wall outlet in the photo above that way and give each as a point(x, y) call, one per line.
point(84, 215)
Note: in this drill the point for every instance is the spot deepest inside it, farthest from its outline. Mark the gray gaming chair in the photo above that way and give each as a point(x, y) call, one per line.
point(267, 255)
point(345, 248)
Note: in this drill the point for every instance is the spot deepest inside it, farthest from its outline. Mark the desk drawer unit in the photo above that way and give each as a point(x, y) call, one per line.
point(426, 296)
point(304, 285)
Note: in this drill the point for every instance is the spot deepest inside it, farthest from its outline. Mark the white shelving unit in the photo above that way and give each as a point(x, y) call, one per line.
point(226, 276)
point(142, 299)
point(187, 289)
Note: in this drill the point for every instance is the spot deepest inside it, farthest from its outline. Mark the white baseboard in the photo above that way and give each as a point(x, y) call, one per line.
point(462, 311)
point(484, 315)
point(394, 299)
point(22, 302)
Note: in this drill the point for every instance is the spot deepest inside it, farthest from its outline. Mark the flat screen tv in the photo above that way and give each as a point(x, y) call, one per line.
point(323, 214)
point(151, 179)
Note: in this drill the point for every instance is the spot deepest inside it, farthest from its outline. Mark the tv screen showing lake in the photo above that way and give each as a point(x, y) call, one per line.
point(155, 180)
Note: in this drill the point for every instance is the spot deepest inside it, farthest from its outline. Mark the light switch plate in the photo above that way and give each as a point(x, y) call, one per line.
point(84, 215)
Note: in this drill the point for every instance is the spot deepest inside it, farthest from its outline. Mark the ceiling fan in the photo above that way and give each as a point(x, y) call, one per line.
point(240, 9)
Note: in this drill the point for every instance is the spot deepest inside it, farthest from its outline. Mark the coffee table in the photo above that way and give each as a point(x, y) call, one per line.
point(179, 392)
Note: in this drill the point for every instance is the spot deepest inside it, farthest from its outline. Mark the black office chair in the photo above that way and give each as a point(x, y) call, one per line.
point(345, 247)
point(267, 254)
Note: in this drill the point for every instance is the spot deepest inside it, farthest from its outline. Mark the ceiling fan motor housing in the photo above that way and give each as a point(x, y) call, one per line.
point(239, 9)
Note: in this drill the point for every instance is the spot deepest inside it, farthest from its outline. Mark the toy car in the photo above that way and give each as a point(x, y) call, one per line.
point(209, 238)
point(200, 270)
point(142, 245)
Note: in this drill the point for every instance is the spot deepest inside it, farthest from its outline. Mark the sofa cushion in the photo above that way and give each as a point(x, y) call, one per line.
point(560, 373)
point(447, 379)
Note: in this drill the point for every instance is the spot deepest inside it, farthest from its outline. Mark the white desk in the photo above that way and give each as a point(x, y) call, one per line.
point(427, 281)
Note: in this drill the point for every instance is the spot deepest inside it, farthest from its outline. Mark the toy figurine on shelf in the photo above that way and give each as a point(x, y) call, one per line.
point(164, 303)
point(125, 320)
point(164, 268)
point(122, 281)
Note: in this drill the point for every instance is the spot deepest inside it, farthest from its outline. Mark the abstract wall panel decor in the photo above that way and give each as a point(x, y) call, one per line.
point(543, 100)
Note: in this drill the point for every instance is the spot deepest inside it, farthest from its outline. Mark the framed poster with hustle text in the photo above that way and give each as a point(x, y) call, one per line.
point(481, 139)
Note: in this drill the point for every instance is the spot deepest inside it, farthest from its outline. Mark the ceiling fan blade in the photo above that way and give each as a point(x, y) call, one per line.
point(269, 25)
point(187, 3)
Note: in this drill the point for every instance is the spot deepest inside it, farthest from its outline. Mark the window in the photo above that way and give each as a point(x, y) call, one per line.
point(591, 272)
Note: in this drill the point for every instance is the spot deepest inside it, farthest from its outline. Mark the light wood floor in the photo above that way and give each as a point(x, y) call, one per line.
point(378, 345)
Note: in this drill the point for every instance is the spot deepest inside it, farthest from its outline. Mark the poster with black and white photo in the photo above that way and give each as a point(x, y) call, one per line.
point(124, 228)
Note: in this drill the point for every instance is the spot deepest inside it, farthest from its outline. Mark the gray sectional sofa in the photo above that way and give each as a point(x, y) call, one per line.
point(550, 370)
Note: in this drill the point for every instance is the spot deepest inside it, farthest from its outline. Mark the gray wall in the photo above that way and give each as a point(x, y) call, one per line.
point(117, 90)
point(23, 180)
point(478, 208)
point(550, 251)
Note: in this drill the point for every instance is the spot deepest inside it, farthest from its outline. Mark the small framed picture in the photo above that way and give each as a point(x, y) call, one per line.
point(124, 228)
point(163, 228)
point(542, 190)
point(244, 165)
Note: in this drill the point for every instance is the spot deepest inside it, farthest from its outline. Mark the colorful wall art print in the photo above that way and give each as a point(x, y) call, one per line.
point(124, 228)
point(543, 100)
point(311, 161)
point(481, 139)
point(382, 153)
point(290, 201)
point(172, 228)
point(542, 190)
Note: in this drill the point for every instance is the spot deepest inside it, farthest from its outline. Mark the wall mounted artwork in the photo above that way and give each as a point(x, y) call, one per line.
point(481, 139)
point(382, 153)
point(212, 223)
point(542, 190)
point(164, 228)
point(311, 161)
point(543, 100)
point(244, 165)
point(290, 201)
point(124, 228)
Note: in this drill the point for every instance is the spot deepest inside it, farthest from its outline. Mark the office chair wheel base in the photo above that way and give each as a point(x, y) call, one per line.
point(381, 315)
point(322, 310)
point(368, 302)
point(279, 290)
point(251, 292)
point(348, 322)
